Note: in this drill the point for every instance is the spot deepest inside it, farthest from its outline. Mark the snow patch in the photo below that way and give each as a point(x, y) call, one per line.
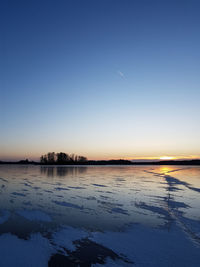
point(22, 253)
point(151, 247)
point(66, 236)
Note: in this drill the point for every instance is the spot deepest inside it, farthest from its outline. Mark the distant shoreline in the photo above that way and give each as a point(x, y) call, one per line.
point(108, 162)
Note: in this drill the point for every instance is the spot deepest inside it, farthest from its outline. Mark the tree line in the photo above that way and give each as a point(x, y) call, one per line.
point(62, 158)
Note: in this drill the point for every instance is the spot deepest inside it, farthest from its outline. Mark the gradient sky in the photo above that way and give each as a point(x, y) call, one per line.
point(105, 79)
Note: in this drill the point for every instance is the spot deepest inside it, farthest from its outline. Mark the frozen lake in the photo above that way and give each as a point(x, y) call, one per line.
point(99, 216)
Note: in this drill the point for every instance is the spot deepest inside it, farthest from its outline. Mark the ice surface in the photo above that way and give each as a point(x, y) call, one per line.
point(68, 204)
point(34, 215)
point(61, 188)
point(100, 185)
point(4, 215)
point(112, 263)
point(148, 214)
point(18, 194)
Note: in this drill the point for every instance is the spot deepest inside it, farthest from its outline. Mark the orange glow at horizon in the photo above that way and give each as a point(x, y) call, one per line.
point(190, 157)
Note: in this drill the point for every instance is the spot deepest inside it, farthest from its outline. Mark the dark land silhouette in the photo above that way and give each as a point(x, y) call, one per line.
point(62, 158)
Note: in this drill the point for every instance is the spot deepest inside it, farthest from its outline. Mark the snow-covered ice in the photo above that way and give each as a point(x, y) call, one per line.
point(145, 216)
point(66, 236)
point(15, 252)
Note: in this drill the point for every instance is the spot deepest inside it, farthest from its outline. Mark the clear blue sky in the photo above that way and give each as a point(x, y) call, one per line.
point(102, 78)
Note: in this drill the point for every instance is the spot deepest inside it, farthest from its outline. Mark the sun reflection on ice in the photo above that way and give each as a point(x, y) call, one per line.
point(165, 170)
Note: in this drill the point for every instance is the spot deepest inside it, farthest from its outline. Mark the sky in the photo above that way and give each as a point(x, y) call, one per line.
point(106, 79)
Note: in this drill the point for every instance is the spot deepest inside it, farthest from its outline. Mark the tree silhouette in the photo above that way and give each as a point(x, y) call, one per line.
point(51, 157)
point(62, 158)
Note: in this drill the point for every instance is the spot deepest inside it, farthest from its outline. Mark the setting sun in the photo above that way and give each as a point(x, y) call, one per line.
point(166, 158)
